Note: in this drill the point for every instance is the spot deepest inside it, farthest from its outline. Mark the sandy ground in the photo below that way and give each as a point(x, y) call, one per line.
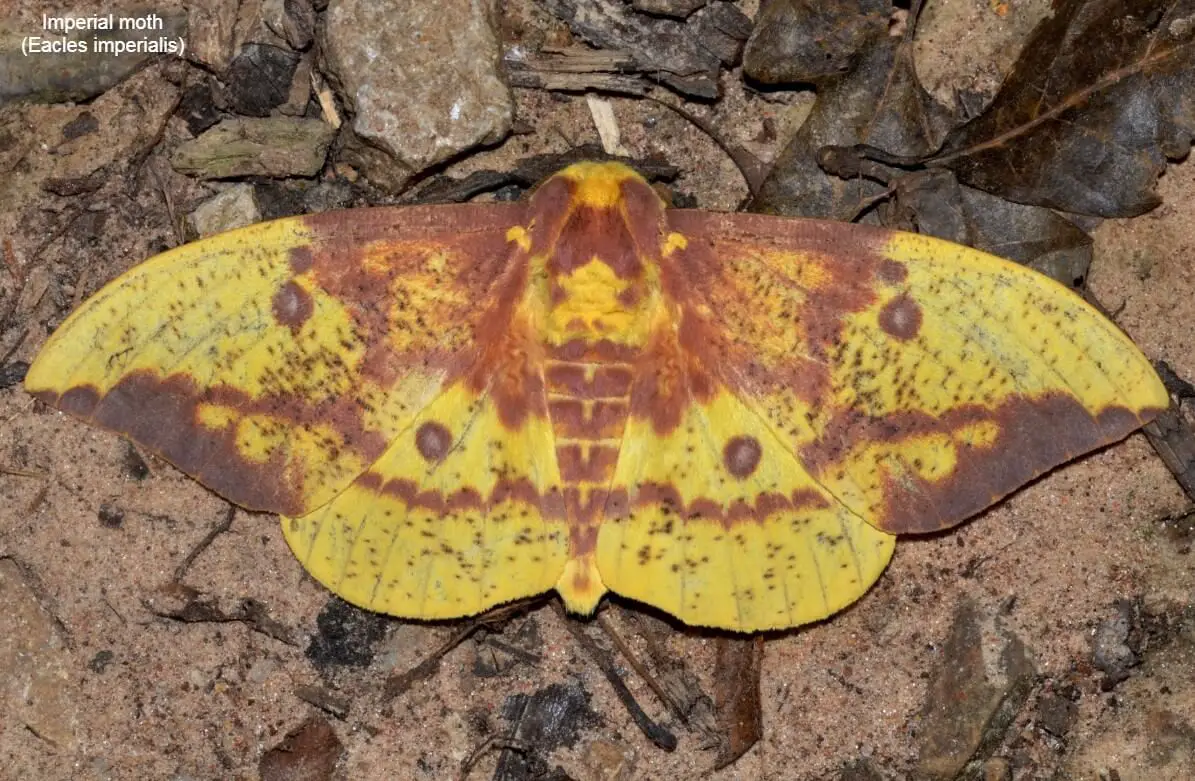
point(110, 689)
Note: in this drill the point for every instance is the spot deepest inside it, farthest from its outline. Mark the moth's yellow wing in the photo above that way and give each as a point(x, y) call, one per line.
point(277, 362)
point(716, 522)
point(366, 374)
point(917, 380)
point(816, 387)
point(461, 513)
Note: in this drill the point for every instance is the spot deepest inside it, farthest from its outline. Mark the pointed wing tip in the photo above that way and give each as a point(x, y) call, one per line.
point(1036, 437)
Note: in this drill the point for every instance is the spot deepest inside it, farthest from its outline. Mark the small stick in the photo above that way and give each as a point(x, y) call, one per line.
point(488, 745)
point(750, 166)
point(665, 697)
point(397, 684)
point(207, 540)
point(654, 732)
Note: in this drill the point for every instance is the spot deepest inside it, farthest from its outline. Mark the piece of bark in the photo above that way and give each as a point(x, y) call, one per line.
point(736, 696)
point(271, 146)
point(578, 59)
point(663, 49)
point(325, 700)
point(577, 82)
point(575, 69)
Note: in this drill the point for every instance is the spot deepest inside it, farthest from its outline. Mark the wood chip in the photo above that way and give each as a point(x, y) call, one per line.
point(602, 112)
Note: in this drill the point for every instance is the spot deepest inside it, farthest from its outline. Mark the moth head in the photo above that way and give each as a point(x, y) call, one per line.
point(602, 185)
point(596, 231)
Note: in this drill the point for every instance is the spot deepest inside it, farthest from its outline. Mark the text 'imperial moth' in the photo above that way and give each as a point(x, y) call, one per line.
point(726, 416)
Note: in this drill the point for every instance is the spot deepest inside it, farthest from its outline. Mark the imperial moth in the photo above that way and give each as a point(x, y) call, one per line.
point(726, 416)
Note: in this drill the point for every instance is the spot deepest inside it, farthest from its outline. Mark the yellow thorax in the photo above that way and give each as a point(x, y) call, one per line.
point(591, 306)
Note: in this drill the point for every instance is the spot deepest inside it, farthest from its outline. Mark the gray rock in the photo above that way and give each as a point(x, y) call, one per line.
point(807, 41)
point(1056, 714)
point(211, 34)
point(255, 25)
point(981, 683)
point(272, 146)
point(293, 20)
point(420, 78)
point(1110, 651)
point(235, 207)
point(678, 9)
point(220, 28)
point(35, 664)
